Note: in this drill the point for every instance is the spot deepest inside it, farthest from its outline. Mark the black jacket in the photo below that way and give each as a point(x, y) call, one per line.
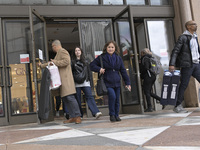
point(144, 66)
point(88, 73)
point(44, 98)
point(181, 54)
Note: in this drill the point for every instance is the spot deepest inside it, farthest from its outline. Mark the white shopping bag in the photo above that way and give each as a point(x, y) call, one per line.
point(55, 76)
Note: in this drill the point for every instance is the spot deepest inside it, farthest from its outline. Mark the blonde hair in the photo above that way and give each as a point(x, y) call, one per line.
point(145, 51)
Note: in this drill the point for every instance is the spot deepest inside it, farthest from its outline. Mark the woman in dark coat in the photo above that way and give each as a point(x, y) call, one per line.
point(112, 68)
point(148, 78)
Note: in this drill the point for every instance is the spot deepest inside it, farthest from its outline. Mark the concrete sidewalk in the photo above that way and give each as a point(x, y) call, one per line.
point(161, 130)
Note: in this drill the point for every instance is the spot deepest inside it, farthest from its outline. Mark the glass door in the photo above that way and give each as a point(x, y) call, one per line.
point(132, 102)
point(94, 33)
point(39, 53)
point(17, 104)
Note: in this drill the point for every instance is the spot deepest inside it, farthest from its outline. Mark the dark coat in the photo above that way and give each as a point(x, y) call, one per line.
point(112, 74)
point(144, 66)
point(44, 98)
point(181, 54)
point(88, 71)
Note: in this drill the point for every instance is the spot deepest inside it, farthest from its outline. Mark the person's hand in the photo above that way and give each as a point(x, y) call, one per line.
point(102, 71)
point(171, 68)
point(128, 87)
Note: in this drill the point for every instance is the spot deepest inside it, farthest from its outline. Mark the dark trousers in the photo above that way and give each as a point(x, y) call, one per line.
point(113, 101)
point(89, 98)
point(186, 73)
point(72, 106)
point(58, 103)
point(147, 88)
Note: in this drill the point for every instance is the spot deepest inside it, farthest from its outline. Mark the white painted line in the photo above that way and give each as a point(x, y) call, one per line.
point(172, 148)
point(47, 128)
point(56, 136)
point(193, 120)
point(137, 137)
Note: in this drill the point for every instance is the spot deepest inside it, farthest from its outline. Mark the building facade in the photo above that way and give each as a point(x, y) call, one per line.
point(28, 28)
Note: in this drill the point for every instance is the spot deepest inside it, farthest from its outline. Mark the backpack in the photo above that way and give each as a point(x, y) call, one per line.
point(155, 64)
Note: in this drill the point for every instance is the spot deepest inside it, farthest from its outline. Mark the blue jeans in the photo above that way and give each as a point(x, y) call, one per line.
point(186, 73)
point(89, 99)
point(113, 101)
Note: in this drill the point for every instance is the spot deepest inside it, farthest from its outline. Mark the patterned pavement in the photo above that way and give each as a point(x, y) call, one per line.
point(161, 130)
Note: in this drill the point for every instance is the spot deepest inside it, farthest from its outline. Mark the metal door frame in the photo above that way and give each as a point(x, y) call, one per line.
point(128, 10)
point(35, 80)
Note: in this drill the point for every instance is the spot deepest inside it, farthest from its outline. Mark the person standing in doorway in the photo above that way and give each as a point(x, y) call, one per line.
point(186, 55)
point(113, 67)
point(67, 89)
point(80, 66)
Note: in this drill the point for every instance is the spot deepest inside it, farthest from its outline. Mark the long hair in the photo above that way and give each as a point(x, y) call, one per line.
point(145, 51)
point(82, 58)
point(115, 44)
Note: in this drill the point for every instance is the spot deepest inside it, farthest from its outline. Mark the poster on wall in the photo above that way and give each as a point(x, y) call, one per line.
point(24, 58)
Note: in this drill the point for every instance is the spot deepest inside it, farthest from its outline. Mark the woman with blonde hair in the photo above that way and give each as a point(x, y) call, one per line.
point(148, 77)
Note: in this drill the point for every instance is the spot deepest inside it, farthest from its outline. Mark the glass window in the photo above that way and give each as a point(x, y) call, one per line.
point(34, 2)
point(9, 1)
point(135, 2)
point(22, 98)
point(160, 2)
point(94, 35)
point(60, 2)
point(161, 38)
point(88, 2)
point(113, 2)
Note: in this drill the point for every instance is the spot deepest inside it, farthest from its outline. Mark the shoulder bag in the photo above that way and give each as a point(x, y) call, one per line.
point(101, 87)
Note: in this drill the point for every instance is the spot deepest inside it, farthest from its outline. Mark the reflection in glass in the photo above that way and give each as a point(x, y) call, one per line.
point(21, 95)
point(113, 2)
point(9, 1)
point(88, 2)
point(135, 2)
point(56, 2)
point(129, 62)
point(161, 39)
point(160, 2)
point(34, 2)
point(94, 35)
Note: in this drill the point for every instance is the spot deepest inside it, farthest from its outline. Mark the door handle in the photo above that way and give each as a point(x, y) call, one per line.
point(1, 68)
point(10, 76)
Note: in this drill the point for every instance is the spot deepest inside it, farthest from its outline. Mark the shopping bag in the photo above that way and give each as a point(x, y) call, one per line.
point(55, 76)
point(101, 87)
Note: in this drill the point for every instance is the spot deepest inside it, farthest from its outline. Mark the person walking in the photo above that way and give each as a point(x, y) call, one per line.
point(148, 77)
point(186, 55)
point(67, 89)
point(80, 66)
point(113, 67)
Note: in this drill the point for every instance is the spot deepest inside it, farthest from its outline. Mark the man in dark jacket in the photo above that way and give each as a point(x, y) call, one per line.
point(186, 55)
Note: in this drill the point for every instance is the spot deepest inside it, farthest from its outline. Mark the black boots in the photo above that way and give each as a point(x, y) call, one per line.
point(114, 119)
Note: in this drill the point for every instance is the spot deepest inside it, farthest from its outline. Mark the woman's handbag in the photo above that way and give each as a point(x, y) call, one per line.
point(101, 87)
point(55, 76)
point(80, 73)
